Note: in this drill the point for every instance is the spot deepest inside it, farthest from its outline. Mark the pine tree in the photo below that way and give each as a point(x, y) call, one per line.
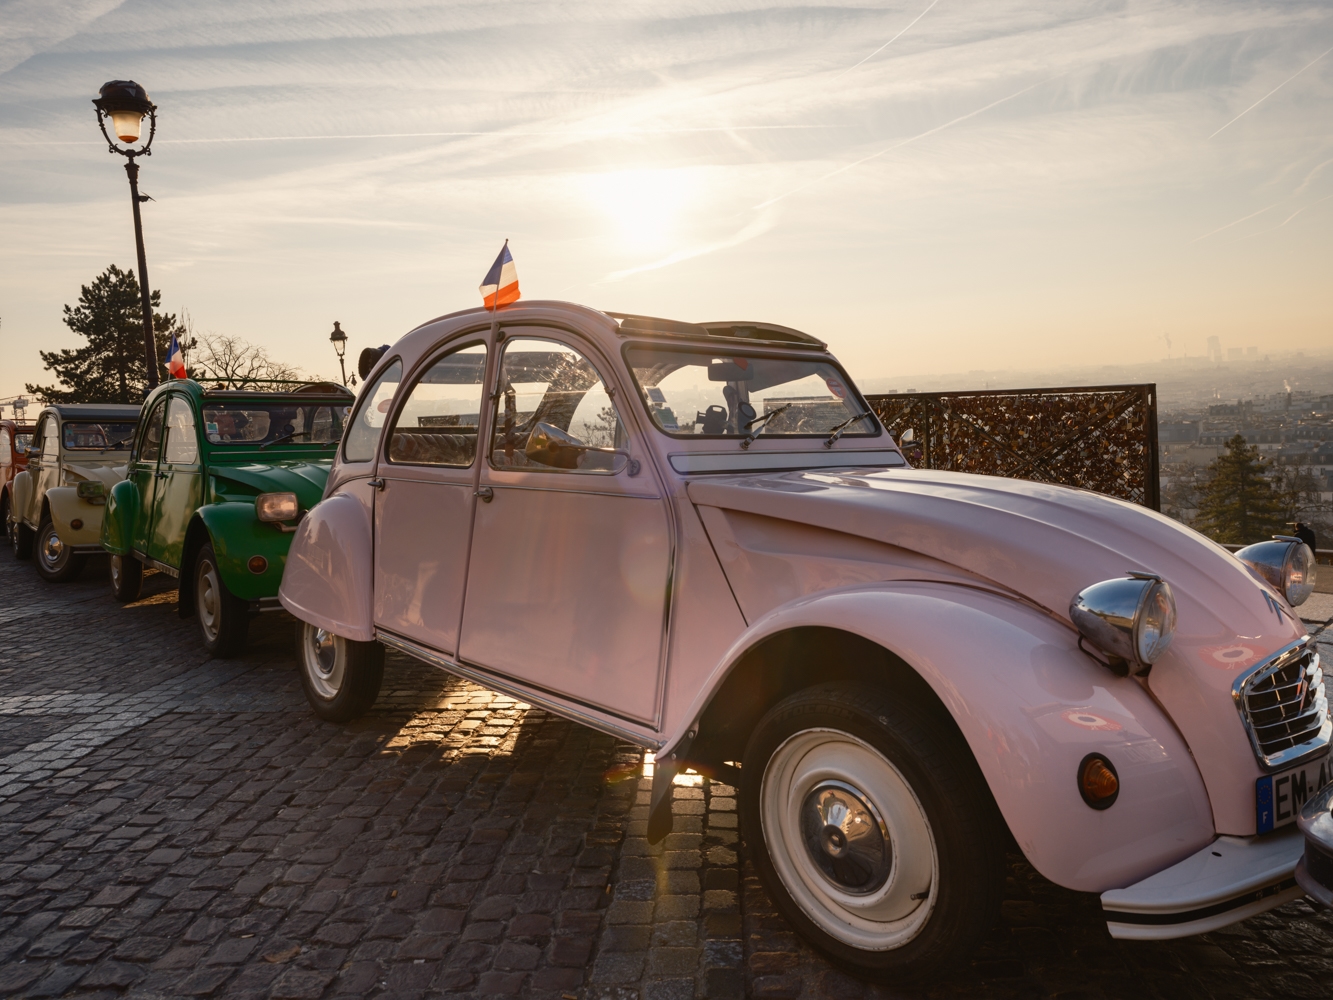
point(109, 368)
point(1241, 503)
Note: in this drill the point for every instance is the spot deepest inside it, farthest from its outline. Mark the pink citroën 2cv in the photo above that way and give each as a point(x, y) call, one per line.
point(697, 537)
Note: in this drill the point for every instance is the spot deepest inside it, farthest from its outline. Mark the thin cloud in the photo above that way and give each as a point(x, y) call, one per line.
point(890, 41)
point(1220, 229)
point(756, 227)
point(1273, 91)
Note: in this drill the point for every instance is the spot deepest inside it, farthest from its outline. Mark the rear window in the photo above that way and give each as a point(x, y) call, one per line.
point(88, 435)
point(253, 423)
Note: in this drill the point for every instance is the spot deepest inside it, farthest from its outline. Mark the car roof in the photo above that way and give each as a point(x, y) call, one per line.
point(260, 391)
point(96, 411)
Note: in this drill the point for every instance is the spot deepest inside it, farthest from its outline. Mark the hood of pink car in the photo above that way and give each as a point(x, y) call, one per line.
point(1047, 543)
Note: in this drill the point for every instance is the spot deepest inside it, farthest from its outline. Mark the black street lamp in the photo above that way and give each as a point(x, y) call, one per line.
point(127, 104)
point(339, 341)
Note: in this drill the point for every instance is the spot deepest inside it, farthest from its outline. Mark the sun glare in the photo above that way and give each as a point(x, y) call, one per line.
point(643, 206)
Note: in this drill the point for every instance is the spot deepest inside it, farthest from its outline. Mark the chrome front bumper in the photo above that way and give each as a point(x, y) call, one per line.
point(1315, 871)
point(1229, 880)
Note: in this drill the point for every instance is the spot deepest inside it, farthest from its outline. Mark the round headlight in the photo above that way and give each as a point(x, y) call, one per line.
point(1285, 562)
point(1131, 619)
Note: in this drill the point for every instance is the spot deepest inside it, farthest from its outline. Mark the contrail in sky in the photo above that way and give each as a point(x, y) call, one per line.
point(890, 41)
point(1274, 90)
point(896, 145)
point(608, 132)
point(1236, 223)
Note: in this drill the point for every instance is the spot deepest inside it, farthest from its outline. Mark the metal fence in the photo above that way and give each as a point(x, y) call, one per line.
point(1101, 437)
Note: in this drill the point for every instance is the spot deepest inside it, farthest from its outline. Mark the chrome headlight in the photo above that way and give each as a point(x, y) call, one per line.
point(277, 506)
point(1131, 619)
point(1285, 562)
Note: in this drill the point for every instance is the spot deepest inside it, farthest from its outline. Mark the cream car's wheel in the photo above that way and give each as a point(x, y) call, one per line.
point(55, 560)
point(872, 829)
point(126, 578)
point(224, 619)
point(341, 676)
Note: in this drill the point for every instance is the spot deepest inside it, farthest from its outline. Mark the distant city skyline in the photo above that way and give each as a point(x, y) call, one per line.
point(927, 186)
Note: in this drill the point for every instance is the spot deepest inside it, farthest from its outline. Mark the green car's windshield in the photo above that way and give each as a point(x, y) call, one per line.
point(279, 423)
point(87, 435)
point(693, 391)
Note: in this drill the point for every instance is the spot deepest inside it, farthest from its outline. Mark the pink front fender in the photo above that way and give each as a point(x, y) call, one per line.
point(1030, 706)
point(329, 573)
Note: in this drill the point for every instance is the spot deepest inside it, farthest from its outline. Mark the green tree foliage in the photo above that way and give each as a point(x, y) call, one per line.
point(1242, 503)
point(110, 367)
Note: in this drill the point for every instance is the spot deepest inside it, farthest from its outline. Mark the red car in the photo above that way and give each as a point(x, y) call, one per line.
point(15, 439)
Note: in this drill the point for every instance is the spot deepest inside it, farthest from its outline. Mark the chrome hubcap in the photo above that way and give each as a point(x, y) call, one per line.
point(115, 570)
point(846, 837)
point(207, 597)
point(52, 548)
point(325, 661)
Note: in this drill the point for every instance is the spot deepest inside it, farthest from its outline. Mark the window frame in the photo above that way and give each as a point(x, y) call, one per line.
point(402, 399)
point(720, 350)
point(556, 336)
point(186, 402)
point(136, 456)
point(362, 403)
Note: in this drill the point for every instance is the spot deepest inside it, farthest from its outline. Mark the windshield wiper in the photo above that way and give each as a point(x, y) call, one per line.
point(837, 431)
point(754, 431)
point(285, 437)
point(114, 445)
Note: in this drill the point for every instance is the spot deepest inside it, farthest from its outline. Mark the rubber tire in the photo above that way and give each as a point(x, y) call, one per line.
point(362, 675)
point(126, 574)
point(935, 761)
point(65, 571)
point(4, 516)
point(232, 619)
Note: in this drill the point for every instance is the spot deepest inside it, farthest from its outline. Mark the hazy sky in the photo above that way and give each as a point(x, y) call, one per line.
point(928, 186)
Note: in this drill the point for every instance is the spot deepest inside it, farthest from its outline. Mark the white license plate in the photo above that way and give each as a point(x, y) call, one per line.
point(1278, 797)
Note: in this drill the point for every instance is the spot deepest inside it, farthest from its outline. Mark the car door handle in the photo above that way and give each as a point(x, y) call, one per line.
point(159, 475)
point(485, 494)
point(376, 483)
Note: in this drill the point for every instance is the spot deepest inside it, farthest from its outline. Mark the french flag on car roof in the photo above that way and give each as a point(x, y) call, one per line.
point(500, 286)
point(175, 358)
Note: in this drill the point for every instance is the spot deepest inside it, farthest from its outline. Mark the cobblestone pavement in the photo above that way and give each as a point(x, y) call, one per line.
point(175, 826)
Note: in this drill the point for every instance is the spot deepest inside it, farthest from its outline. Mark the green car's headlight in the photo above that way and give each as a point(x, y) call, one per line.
point(277, 506)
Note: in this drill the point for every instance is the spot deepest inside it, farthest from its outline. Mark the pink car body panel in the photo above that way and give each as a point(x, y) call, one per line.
point(967, 579)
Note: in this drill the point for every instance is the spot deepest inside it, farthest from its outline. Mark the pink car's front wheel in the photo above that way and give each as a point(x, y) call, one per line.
point(341, 677)
point(872, 830)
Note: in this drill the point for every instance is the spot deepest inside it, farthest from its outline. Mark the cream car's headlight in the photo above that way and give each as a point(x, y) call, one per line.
point(1130, 619)
point(277, 506)
point(1285, 562)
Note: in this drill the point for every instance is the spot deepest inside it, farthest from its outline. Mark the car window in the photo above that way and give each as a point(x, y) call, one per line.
point(364, 433)
point(97, 435)
point(6, 454)
point(695, 391)
point(182, 447)
point(22, 442)
point(50, 440)
point(276, 422)
point(150, 444)
point(554, 413)
point(437, 424)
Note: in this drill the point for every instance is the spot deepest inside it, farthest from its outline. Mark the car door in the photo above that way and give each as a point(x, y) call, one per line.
point(47, 473)
point(179, 482)
point(571, 550)
point(423, 514)
point(143, 472)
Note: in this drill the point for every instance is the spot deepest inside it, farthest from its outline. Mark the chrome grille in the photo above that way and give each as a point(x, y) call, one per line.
point(1283, 704)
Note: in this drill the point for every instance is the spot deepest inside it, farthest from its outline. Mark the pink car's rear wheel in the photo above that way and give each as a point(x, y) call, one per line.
point(872, 830)
point(341, 676)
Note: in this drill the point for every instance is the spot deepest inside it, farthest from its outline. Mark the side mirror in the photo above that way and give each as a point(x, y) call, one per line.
point(550, 446)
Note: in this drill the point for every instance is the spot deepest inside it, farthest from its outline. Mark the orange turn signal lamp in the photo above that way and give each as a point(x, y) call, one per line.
point(1097, 781)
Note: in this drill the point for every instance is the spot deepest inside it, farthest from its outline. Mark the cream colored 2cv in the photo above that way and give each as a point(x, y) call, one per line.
point(697, 537)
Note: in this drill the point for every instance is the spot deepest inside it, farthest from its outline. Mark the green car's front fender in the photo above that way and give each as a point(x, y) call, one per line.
point(122, 507)
point(237, 536)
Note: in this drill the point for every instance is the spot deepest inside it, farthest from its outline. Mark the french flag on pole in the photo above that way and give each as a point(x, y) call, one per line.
point(500, 286)
point(175, 358)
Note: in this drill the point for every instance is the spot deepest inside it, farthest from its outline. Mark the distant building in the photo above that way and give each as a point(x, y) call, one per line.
point(1214, 349)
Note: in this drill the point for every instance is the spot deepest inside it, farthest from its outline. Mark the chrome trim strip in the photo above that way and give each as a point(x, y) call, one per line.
point(1265, 668)
point(526, 695)
point(751, 461)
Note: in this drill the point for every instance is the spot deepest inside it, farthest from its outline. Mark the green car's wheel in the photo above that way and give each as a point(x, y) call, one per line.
point(126, 578)
point(224, 618)
point(20, 539)
point(56, 562)
point(341, 677)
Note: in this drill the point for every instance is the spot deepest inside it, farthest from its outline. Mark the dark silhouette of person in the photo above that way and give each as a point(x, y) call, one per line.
point(1306, 534)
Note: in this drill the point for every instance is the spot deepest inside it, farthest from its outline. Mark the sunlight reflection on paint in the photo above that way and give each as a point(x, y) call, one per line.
point(643, 206)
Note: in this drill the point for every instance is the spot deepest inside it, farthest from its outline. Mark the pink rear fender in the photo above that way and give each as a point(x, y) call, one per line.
point(329, 573)
point(1031, 706)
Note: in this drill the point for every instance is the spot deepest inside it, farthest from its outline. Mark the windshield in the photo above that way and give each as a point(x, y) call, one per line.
point(691, 391)
point(22, 442)
point(86, 435)
point(247, 423)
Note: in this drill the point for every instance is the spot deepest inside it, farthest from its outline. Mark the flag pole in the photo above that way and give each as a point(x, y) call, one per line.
point(495, 302)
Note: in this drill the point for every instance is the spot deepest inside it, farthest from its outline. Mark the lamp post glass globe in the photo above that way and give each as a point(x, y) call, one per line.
point(338, 339)
point(126, 104)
